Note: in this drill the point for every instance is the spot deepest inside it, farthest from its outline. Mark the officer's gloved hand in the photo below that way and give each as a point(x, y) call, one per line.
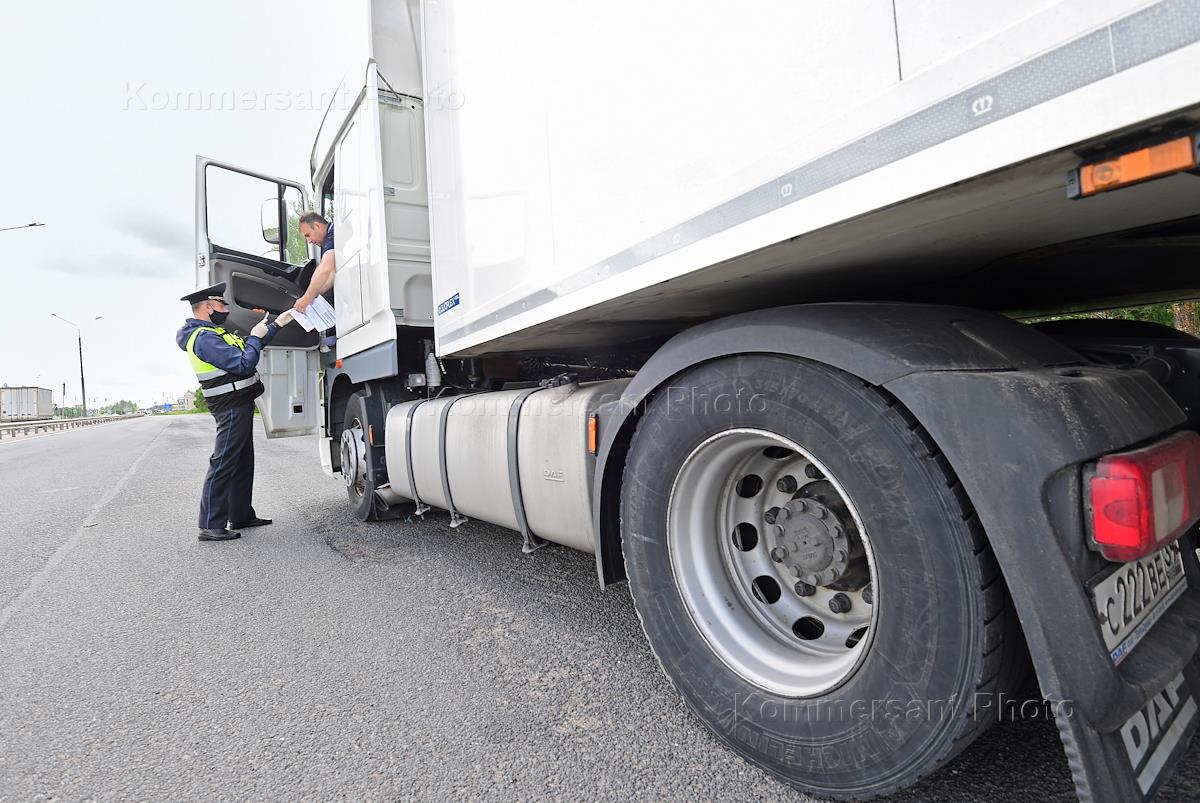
point(260, 328)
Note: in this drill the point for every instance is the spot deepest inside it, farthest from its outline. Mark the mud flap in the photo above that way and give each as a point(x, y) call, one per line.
point(1123, 727)
point(1132, 762)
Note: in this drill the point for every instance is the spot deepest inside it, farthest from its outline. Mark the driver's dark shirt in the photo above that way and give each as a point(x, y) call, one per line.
point(327, 247)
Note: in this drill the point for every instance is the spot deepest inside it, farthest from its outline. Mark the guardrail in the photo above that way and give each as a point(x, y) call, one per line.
point(14, 429)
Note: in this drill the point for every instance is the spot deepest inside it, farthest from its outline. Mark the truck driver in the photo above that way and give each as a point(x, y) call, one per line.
point(318, 231)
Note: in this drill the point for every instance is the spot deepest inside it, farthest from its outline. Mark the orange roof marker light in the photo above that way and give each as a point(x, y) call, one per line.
point(1173, 156)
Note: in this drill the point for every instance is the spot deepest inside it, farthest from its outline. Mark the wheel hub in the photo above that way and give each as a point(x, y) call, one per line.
point(354, 458)
point(810, 542)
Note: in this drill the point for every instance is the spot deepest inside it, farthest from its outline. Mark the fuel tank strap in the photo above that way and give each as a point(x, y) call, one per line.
point(531, 541)
point(408, 453)
point(456, 518)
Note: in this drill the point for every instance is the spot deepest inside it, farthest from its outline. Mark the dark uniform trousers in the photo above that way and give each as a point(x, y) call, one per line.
point(229, 485)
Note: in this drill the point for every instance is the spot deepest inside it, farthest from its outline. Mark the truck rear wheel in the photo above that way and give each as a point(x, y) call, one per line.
point(811, 576)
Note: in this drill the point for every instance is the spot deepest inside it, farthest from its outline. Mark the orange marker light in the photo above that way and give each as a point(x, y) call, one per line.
point(1131, 168)
point(593, 434)
point(371, 434)
point(337, 363)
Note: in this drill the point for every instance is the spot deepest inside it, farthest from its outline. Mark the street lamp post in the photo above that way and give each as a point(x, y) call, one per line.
point(79, 334)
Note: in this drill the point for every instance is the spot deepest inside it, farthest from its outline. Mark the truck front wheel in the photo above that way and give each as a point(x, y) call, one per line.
point(811, 576)
point(361, 461)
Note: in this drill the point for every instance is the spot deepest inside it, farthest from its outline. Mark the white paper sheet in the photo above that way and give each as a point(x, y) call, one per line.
point(319, 315)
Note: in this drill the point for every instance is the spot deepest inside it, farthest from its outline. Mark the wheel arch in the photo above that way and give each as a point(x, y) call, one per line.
point(340, 391)
point(876, 342)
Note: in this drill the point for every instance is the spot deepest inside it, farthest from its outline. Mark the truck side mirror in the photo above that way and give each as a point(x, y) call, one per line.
point(269, 217)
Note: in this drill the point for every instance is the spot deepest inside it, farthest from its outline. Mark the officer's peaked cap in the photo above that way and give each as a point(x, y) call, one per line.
point(215, 291)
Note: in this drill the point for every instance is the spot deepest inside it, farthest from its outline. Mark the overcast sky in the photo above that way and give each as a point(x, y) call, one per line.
point(99, 132)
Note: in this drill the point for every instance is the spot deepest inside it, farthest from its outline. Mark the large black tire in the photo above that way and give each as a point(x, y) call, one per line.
point(364, 410)
point(945, 639)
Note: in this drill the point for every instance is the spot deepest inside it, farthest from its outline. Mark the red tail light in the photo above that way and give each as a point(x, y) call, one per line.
point(1146, 498)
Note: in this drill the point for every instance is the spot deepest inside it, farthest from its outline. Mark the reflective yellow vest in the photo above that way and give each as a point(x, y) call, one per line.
point(213, 380)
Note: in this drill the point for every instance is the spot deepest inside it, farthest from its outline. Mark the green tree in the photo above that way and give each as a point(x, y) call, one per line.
point(201, 402)
point(295, 248)
point(1166, 314)
point(121, 407)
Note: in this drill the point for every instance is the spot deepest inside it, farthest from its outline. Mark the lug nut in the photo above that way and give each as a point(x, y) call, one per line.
point(778, 554)
point(819, 512)
point(839, 603)
point(800, 504)
point(841, 556)
point(787, 484)
point(784, 513)
point(869, 594)
point(804, 589)
point(777, 531)
point(796, 571)
point(770, 516)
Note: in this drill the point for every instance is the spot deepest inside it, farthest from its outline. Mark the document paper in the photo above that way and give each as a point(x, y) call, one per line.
point(319, 315)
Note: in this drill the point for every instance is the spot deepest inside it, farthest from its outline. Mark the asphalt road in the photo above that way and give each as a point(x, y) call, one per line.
point(321, 657)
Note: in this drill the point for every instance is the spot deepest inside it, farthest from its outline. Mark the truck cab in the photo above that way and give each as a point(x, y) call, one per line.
point(368, 179)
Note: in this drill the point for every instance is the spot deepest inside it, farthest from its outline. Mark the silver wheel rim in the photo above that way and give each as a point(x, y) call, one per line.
point(798, 642)
point(354, 458)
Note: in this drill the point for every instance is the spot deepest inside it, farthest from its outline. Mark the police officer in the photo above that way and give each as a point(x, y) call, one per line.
point(224, 363)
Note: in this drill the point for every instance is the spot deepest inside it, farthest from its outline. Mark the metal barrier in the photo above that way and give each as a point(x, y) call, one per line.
point(14, 429)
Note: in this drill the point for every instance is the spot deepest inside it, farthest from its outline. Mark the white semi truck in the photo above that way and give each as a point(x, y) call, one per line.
point(736, 300)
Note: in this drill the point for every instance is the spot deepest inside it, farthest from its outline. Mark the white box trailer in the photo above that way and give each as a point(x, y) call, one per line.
point(734, 302)
point(26, 404)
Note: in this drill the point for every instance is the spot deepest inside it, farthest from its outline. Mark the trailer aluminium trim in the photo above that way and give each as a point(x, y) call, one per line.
point(1121, 45)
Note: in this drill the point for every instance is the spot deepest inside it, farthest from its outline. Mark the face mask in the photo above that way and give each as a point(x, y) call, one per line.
point(218, 317)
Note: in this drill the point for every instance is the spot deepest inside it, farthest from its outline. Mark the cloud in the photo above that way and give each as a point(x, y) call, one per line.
point(121, 265)
point(157, 232)
point(138, 246)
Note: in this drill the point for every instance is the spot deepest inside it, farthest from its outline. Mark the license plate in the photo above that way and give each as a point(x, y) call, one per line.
point(1131, 599)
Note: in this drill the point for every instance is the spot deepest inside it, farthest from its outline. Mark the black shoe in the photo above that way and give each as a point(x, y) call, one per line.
point(254, 522)
point(218, 535)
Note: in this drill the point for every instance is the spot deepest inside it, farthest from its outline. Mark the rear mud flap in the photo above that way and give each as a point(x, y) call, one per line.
point(1132, 762)
point(1123, 727)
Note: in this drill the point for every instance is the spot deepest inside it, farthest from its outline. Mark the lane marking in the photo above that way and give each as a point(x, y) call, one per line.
point(68, 546)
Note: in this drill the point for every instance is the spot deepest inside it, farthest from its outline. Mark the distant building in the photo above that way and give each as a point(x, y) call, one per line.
point(186, 402)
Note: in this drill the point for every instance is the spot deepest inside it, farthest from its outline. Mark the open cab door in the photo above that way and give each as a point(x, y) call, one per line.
point(248, 236)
